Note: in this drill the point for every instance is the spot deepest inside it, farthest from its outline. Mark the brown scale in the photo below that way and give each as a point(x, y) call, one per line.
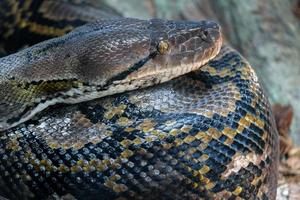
point(32, 21)
point(141, 155)
point(126, 147)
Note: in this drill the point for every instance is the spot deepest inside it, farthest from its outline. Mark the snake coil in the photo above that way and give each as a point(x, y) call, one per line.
point(209, 134)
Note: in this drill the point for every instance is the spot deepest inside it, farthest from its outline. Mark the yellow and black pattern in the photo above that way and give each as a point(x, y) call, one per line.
point(24, 23)
point(207, 135)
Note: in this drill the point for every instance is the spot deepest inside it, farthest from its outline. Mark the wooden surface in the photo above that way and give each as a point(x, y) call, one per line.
point(267, 33)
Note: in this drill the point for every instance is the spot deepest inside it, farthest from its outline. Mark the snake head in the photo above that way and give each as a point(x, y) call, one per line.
point(176, 48)
point(100, 59)
point(139, 53)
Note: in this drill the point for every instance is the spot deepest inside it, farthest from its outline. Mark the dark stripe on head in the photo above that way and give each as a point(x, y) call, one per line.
point(131, 69)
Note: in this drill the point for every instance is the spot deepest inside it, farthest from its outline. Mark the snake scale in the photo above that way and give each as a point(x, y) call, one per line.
point(209, 134)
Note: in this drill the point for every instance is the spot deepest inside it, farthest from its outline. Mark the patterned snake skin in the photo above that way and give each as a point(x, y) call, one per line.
point(207, 135)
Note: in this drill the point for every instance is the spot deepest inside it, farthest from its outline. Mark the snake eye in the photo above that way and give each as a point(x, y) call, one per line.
point(163, 47)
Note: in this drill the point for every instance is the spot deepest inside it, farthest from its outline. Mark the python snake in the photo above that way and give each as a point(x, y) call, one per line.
point(209, 134)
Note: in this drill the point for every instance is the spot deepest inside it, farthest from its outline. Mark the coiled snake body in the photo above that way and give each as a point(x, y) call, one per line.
point(208, 134)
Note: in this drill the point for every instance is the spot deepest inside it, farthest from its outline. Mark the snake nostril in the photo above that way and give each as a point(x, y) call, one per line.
point(205, 32)
point(204, 35)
